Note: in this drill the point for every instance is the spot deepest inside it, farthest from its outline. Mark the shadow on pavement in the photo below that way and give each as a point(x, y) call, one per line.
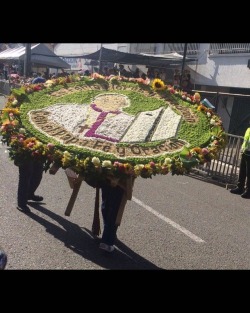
point(81, 241)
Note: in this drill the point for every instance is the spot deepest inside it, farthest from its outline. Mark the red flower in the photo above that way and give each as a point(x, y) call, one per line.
point(37, 88)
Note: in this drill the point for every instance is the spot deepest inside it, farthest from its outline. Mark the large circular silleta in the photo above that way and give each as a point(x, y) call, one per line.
point(102, 126)
point(115, 126)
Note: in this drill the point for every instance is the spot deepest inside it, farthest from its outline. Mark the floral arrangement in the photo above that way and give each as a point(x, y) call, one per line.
point(24, 141)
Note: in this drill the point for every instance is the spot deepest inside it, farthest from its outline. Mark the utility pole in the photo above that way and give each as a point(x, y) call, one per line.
point(100, 59)
point(183, 63)
point(27, 60)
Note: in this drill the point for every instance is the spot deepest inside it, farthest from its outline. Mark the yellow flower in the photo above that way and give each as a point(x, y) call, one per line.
point(66, 158)
point(11, 110)
point(167, 161)
point(158, 84)
point(38, 144)
point(197, 97)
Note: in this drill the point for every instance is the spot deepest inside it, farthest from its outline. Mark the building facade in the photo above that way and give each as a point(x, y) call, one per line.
point(221, 73)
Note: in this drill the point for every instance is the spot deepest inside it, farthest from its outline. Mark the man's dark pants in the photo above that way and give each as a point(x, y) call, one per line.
point(30, 176)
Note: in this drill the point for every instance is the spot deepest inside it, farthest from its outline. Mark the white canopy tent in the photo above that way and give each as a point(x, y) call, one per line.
point(168, 56)
point(40, 55)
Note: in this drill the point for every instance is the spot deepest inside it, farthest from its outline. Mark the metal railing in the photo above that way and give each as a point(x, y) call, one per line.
point(229, 48)
point(225, 169)
point(192, 48)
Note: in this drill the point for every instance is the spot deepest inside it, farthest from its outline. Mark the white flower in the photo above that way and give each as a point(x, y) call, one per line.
point(22, 130)
point(15, 102)
point(106, 163)
point(96, 161)
point(212, 121)
point(140, 166)
point(208, 114)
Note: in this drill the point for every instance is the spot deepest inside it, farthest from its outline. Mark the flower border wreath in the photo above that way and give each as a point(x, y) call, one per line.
point(23, 145)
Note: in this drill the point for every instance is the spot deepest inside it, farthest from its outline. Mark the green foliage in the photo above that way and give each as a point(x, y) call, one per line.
point(187, 159)
point(195, 133)
point(20, 94)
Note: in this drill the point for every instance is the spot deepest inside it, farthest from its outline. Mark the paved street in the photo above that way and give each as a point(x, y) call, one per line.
point(172, 222)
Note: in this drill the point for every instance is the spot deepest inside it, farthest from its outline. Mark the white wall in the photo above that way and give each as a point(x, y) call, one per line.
point(75, 49)
point(221, 70)
point(123, 47)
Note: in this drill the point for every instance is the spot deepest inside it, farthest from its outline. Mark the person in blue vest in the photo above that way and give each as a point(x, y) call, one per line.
point(243, 184)
point(38, 79)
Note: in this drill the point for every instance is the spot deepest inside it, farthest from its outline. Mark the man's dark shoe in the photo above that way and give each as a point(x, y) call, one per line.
point(36, 198)
point(237, 191)
point(246, 195)
point(3, 259)
point(23, 208)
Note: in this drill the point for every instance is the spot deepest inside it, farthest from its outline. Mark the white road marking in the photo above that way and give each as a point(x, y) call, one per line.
point(167, 220)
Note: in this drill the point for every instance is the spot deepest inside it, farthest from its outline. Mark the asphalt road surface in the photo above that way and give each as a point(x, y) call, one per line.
point(172, 222)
